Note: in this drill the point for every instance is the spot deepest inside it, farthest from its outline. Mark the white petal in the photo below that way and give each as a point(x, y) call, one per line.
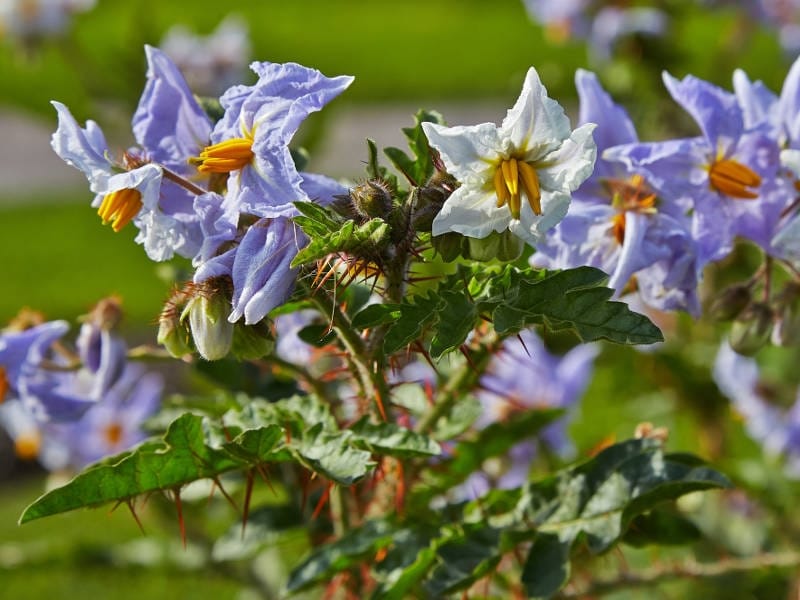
point(568, 167)
point(466, 150)
point(536, 123)
point(472, 212)
point(531, 227)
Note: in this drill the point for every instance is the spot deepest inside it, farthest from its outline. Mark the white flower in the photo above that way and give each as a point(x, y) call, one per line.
point(534, 153)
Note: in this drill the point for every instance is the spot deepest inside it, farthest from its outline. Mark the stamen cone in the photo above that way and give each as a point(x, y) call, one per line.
point(120, 207)
point(732, 178)
point(226, 156)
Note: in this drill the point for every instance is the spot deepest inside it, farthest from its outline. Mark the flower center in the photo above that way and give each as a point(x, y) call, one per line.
point(27, 445)
point(512, 177)
point(225, 157)
point(629, 195)
point(120, 207)
point(732, 178)
point(113, 434)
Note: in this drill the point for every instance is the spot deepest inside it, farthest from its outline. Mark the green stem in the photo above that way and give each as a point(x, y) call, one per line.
point(463, 380)
point(688, 569)
point(288, 368)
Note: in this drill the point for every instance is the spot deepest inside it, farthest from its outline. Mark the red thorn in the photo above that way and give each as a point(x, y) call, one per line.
point(248, 494)
point(379, 402)
point(322, 500)
point(227, 496)
point(287, 430)
point(401, 489)
point(129, 502)
point(304, 500)
point(179, 508)
point(262, 470)
point(467, 356)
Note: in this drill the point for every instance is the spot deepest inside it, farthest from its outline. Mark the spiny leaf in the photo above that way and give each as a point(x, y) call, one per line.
point(355, 546)
point(392, 440)
point(347, 237)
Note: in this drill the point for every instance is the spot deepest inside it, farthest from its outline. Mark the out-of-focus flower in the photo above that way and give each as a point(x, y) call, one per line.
point(729, 174)
point(27, 20)
point(612, 24)
point(211, 63)
point(525, 376)
point(534, 153)
point(776, 428)
point(618, 223)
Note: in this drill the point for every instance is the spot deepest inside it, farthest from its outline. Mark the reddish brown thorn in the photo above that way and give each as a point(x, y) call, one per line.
point(262, 471)
point(179, 508)
point(304, 500)
point(248, 494)
point(322, 500)
point(465, 352)
point(401, 489)
point(379, 402)
point(227, 496)
point(421, 349)
point(287, 434)
point(129, 502)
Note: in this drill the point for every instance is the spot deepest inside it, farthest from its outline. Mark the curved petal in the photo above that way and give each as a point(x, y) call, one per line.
point(533, 228)
point(536, 124)
point(84, 149)
point(466, 150)
point(567, 167)
point(759, 105)
point(614, 127)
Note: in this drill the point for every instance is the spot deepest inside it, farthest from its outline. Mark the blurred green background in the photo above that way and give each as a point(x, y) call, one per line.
point(56, 256)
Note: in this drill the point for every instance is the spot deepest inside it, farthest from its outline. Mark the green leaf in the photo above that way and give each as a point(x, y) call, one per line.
point(392, 440)
point(182, 457)
point(457, 318)
point(195, 447)
point(463, 560)
point(596, 501)
point(375, 315)
point(355, 546)
point(347, 237)
point(414, 318)
point(572, 299)
point(661, 526)
point(419, 169)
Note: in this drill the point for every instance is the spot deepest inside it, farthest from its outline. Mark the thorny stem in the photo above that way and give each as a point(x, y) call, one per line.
point(372, 383)
point(767, 277)
point(464, 379)
point(298, 372)
point(688, 569)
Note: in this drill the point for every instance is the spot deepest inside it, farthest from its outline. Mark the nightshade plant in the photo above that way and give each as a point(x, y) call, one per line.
point(401, 390)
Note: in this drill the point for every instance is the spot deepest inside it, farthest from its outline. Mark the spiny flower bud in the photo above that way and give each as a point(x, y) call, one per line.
point(372, 199)
point(173, 332)
point(106, 314)
point(787, 313)
point(730, 303)
point(752, 329)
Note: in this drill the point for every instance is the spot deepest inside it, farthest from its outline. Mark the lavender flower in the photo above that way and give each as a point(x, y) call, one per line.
point(728, 176)
point(618, 223)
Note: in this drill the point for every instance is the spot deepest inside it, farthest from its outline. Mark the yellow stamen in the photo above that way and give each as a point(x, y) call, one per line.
point(27, 445)
point(225, 157)
point(512, 177)
point(120, 207)
point(732, 178)
point(500, 188)
point(113, 434)
point(530, 183)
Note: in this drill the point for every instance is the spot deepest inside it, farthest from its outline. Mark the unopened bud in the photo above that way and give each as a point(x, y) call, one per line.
point(752, 329)
point(207, 312)
point(251, 342)
point(173, 331)
point(730, 303)
point(372, 199)
point(787, 326)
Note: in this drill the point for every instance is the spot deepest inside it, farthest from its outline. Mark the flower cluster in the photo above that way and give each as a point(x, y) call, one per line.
point(72, 407)
point(219, 193)
point(654, 214)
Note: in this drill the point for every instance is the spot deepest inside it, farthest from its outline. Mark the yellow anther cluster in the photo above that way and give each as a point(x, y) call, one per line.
point(27, 445)
point(512, 177)
point(732, 178)
point(120, 207)
point(225, 157)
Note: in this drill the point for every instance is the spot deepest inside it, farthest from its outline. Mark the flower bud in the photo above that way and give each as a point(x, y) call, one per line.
point(207, 313)
point(730, 303)
point(787, 326)
point(372, 199)
point(173, 332)
point(752, 329)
